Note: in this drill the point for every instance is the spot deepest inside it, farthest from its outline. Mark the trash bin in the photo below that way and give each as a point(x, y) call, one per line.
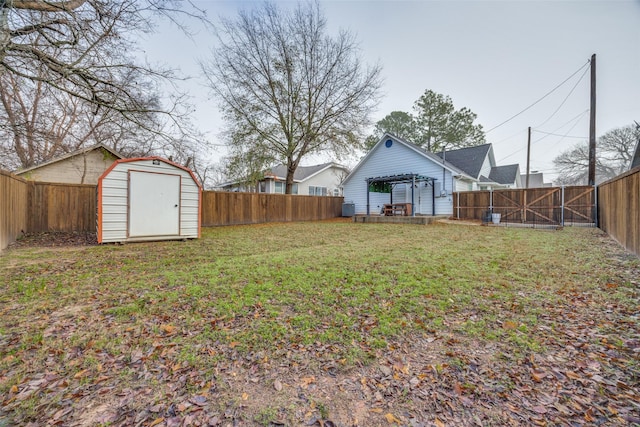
point(348, 209)
point(486, 217)
point(495, 218)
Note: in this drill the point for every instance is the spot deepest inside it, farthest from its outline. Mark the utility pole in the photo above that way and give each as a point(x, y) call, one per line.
point(528, 155)
point(592, 124)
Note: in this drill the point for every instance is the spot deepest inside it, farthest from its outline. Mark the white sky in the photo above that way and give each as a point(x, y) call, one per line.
point(494, 57)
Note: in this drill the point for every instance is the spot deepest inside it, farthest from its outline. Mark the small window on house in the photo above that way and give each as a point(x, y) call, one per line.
point(336, 192)
point(262, 187)
point(281, 188)
point(317, 191)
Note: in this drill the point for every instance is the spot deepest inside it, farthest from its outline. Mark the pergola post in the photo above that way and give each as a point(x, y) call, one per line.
point(433, 198)
point(413, 187)
point(368, 208)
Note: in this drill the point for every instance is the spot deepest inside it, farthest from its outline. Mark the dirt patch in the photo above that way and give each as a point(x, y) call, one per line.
point(55, 239)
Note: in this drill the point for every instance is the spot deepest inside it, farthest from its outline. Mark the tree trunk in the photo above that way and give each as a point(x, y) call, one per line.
point(292, 165)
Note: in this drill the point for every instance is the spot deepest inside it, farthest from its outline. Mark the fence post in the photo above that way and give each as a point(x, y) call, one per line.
point(458, 209)
point(491, 200)
point(524, 206)
point(595, 205)
point(562, 206)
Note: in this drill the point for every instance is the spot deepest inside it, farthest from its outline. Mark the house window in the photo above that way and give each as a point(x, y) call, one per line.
point(336, 192)
point(317, 191)
point(281, 187)
point(262, 187)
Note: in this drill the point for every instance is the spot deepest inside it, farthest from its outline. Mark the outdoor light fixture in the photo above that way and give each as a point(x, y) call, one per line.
point(156, 162)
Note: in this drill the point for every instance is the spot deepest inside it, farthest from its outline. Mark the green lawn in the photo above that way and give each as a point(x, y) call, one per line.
point(203, 328)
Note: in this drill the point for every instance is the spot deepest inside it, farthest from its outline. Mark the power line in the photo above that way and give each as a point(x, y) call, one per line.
point(547, 94)
point(575, 118)
point(557, 134)
point(565, 99)
point(509, 137)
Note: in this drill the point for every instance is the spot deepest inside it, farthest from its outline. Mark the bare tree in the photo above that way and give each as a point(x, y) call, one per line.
point(287, 89)
point(69, 79)
point(39, 122)
point(613, 156)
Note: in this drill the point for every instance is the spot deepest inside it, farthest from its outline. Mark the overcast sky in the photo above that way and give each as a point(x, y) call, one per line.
point(493, 57)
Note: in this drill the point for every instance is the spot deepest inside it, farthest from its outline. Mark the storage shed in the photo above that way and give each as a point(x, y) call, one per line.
point(148, 198)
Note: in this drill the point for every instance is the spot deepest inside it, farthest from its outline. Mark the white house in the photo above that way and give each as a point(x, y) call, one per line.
point(536, 180)
point(317, 180)
point(398, 171)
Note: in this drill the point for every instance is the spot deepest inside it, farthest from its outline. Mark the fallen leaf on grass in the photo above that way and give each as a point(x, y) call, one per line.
point(538, 375)
point(80, 374)
point(198, 400)
point(308, 380)
point(392, 419)
point(245, 396)
point(156, 421)
point(439, 423)
point(573, 375)
point(277, 385)
point(168, 329)
point(539, 409)
point(509, 325)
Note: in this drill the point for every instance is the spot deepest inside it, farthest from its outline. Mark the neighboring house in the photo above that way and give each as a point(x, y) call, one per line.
point(479, 162)
point(316, 180)
point(635, 160)
point(536, 180)
point(83, 166)
point(398, 171)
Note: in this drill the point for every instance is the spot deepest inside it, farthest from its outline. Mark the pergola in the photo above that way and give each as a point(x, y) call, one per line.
point(407, 178)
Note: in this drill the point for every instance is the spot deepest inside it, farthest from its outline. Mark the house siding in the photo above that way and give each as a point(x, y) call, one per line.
point(70, 171)
point(115, 192)
point(394, 160)
point(329, 178)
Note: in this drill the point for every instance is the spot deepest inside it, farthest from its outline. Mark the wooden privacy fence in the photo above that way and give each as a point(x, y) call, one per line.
point(225, 208)
point(33, 207)
point(548, 205)
point(13, 207)
point(61, 207)
point(619, 209)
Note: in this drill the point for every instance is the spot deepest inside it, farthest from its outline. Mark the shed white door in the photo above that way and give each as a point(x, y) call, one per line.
point(154, 204)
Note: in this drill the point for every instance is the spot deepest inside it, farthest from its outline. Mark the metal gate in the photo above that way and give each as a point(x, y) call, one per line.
point(548, 205)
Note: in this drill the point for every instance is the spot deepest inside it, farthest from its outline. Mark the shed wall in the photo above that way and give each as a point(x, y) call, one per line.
point(115, 197)
point(395, 160)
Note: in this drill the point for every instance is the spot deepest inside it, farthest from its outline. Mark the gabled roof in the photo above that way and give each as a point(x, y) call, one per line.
point(507, 174)
point(431, 156)
point(635, 160)
point(302, 172)
point(72, 154)
point(469, 159)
